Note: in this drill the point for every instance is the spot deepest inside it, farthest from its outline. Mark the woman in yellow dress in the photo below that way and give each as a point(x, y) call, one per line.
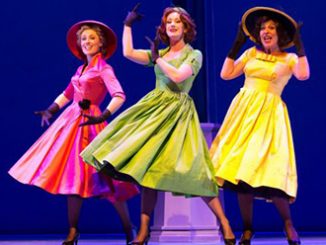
point(253, 152)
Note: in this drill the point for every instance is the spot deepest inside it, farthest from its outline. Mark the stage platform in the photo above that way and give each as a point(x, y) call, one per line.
point(92, 239)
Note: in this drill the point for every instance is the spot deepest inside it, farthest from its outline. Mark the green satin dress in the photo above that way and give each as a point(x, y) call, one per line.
point(158, 142)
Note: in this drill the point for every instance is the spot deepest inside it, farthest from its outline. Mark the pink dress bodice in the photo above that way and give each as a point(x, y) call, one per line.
point(94, 82)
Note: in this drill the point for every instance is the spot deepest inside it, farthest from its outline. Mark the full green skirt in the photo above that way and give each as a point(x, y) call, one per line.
point(157, 143)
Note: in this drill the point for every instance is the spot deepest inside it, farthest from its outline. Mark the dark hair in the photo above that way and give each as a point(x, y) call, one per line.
point(283, 35)
point(98, 31)
point(188, 22)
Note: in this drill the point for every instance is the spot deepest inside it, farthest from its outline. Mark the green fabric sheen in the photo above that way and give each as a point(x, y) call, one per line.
point(159, 141)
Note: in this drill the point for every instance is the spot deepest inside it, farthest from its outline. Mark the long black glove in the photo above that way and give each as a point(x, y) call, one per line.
point(298, 41)
point(133, 16)
point(239, 41)
point(154, 47)
point(48, 113)
point(95, 120)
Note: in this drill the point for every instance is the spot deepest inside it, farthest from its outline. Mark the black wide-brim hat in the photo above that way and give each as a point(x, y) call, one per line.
point(250, 17)
point(109, 35)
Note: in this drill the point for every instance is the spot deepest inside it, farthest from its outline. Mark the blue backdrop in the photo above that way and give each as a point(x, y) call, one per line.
point(36, 66)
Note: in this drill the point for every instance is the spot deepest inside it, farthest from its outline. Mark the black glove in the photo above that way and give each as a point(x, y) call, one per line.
point(298, 41)
point(154, 47)
point(48, 113)
point(95, 120)
point(239, 41)
point(133, 16)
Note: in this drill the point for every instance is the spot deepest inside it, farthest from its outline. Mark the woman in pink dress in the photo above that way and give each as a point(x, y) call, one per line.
point(53, 162)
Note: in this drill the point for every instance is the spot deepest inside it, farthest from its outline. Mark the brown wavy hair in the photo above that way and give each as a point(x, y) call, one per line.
point(283, 36)
point(98, 31)
point(189, 25)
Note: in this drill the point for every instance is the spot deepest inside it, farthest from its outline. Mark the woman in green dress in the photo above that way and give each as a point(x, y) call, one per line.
point(158, 142)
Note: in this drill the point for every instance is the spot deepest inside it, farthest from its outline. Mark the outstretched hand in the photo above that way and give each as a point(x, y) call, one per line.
point(154, 47)
point(45, 115)
point(133, 16)
point(48, 113)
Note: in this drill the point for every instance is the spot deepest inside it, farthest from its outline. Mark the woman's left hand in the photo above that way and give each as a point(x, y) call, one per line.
point(298, 41)
point(154, 47)
point(96, 119)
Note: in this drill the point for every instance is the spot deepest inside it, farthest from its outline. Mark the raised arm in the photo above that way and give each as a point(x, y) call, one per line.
point(137, 55)
point(301, 70)
point(231, 68)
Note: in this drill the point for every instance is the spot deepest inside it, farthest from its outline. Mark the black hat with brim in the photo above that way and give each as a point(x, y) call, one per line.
point(250, 17)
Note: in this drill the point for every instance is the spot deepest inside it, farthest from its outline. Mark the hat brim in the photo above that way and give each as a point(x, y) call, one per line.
point(109, 35)
point(251, 16)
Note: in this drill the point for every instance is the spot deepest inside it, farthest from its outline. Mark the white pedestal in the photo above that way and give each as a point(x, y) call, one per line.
point(179, 219)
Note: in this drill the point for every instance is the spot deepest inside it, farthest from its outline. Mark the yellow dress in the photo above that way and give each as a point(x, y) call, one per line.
point(254, 144)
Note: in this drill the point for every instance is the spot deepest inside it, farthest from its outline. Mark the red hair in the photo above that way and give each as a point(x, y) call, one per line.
point(188, 22)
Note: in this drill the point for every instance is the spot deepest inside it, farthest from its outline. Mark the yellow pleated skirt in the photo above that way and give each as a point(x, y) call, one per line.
point(254, 144)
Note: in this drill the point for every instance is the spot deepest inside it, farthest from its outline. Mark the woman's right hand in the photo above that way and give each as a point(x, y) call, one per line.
point(241, 37)
point(48, 113)
point(239, 41)
point(133, 16)
point(139, 56)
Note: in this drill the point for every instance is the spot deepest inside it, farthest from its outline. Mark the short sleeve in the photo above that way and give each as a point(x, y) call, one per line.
point(249, 53)
point(111, 82)
point(69, 91)
point(292, 59)
point(195, 60)
point(149, 54)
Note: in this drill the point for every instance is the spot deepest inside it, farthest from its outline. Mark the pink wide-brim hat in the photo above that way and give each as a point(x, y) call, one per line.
point(109, 35)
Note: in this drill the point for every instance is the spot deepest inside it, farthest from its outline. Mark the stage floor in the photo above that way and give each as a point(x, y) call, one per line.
point(260, 239)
